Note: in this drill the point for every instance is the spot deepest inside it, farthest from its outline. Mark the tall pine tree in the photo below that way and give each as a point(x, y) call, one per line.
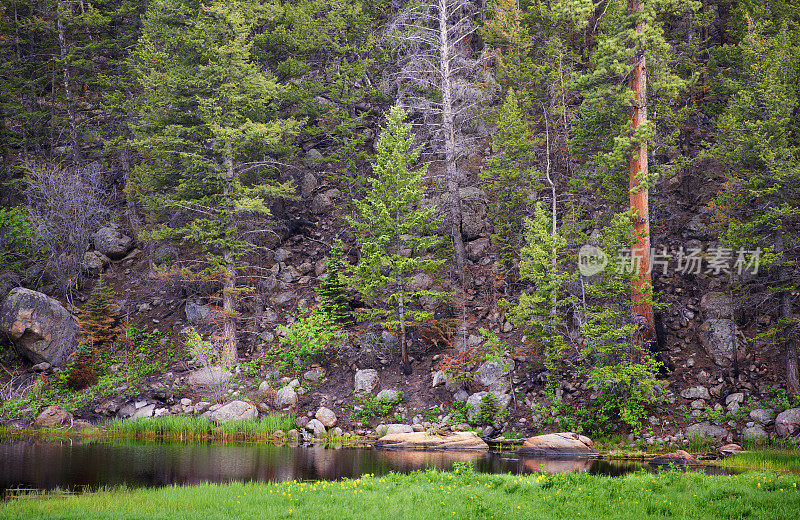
point(209, 125)
point(391, 223)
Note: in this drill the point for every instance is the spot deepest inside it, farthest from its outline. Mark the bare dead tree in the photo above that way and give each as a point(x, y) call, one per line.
point(432, 44)
point(66, 207)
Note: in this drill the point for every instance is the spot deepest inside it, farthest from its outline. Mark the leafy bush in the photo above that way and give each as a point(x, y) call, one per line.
point(16, 238)
point(374, 408)
point(313, 338)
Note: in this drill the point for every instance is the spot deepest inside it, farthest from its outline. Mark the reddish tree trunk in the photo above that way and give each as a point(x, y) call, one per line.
point(641, 294)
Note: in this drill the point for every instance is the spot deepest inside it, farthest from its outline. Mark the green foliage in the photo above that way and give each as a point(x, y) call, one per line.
point(488, 410)
point(312, 338)
point(508, 177)
point(17, 240)
point(334, 301)
point(185, 428)
point(390, 221)
point(458, 413)
point(374, 408)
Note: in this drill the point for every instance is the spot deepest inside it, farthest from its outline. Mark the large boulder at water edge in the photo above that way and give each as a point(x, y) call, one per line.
point(426, 442)
point(565, 444)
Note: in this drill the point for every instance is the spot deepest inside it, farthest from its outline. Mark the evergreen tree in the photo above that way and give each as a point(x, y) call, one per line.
point(508, 177)
point(389, 223)
point(99, 317)
point(334, 301)
point(758, 139)
point(209, 124)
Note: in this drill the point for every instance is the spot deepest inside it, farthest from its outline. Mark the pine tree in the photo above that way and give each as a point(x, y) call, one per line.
point(99, 318)
point(758, 139)
point(209, 125)
point(334, 301)
point(508, 177)
point(390, 222)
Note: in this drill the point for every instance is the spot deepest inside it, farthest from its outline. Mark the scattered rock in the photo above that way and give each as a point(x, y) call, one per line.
point(366, 380)
point(53, 417)
point(326, 417)
point(425, 442)
point(112, 243)
point(764, 416)
point(787, 423)
point(40, 367)
point(478, 249)
point(321, 204)
point(144, 411)
point(696, 392)
point(197, 312)
point(235, 411)
point(729, 449)
point(264, 387)
point(755, 432)
point(387, 395)
point(716, 305)
point(565, 444)
point(285, 398)
point(40, 328)
point(309, 185)
point(474, 212)
point(494, 374)
point(315, 375)
point(734, 401)
point(95, 261)
point(316, 427)
point(707, 430)
point(207, 377)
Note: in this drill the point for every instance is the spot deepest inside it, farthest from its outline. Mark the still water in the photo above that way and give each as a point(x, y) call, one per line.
point(91, 464)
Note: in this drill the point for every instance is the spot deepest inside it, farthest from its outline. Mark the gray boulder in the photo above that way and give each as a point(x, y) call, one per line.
point(321, 204)
point(764, 416)
point(474, 212)
point(315, 375)
point(716, 305)
point(95, 261)
point(721, 340)
point(755, 432)
point(387, 395)
point(696, 392)
point(112, 243)
point(285, 398)
point(708, 431)
point(366, 380)
point(494, 374)
point(478, 249)
point(211, 376)
point(145, 411)
point(235, 411)
point(196, 312)
point(787, 423)
point(326, 417)
point(309, 185)
point(316, 427)
point(40, 328)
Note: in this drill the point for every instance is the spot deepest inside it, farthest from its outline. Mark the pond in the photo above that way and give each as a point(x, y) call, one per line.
point(82, 464)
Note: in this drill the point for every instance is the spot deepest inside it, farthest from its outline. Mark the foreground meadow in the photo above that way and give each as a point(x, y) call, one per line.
point(441, 495)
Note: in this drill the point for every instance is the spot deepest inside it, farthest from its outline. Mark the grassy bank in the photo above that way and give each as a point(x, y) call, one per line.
point(775, 459)
point(185, 428)
point(435, 495)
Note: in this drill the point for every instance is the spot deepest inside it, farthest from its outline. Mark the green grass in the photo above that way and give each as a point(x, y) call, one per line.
point(460, 495)
point(180, 427)
point(775, 459)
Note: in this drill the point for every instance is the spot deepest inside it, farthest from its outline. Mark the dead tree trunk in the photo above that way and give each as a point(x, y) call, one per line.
point(641, 292)
point(450, 145)
point(73, 124)
point(230, 351)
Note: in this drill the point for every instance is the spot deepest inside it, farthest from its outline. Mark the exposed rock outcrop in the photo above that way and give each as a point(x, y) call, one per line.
point(565, 444)
point(40, 328)
point(426, 442)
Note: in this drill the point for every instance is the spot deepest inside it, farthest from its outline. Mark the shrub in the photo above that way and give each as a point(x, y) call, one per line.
point(312, 338)
point(16, 239)
point(374, 408)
